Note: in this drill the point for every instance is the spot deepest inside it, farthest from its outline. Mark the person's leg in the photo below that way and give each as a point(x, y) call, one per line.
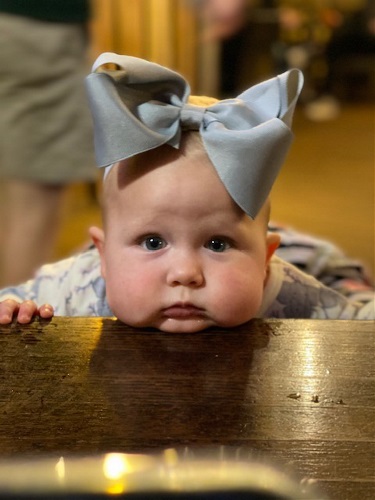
point(29, 221)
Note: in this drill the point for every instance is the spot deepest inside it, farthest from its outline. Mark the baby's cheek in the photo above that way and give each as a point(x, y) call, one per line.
point(119, 292)
point(134, 297)
point(238, 299)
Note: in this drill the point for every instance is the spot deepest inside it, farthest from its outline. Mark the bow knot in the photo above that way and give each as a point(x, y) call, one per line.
point(142, 106)
point(192, 117)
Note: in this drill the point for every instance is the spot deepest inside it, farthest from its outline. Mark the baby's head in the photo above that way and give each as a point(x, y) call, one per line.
point(177, 253)
point(185, 243)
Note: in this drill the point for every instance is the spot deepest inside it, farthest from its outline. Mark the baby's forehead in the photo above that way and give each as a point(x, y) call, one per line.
point(162, 161)
point(168, 169)
point(195, 182)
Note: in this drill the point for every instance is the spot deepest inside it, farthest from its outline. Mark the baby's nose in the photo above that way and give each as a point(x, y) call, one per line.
point(185, 269)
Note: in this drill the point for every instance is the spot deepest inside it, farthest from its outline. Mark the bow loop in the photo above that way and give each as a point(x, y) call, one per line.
point(140, 106)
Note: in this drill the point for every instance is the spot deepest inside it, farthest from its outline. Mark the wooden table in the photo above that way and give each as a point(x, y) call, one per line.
point(299, 392)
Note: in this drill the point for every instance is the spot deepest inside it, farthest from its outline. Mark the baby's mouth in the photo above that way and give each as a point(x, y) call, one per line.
point(183, 310)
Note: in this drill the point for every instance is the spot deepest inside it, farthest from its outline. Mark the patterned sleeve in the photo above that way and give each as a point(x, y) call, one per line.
point(43, 288)
point(290, 293)
point(72, 286)
point(326, 262)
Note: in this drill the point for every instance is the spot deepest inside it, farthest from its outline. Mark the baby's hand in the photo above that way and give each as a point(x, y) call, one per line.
point(24, 312)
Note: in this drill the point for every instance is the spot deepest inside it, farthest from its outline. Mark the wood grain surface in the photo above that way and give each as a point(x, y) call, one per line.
point(299, 393)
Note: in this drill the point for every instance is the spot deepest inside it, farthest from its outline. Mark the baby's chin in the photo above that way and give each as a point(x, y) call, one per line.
point(183, 326)
point(172, 325)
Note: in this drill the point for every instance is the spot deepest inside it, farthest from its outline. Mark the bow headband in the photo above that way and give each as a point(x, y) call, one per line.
point(142, 106)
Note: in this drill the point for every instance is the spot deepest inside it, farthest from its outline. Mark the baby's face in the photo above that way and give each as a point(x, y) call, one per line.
point(178, 254)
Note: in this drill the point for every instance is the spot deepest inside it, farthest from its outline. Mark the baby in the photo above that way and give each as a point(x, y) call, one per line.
point(184, 244)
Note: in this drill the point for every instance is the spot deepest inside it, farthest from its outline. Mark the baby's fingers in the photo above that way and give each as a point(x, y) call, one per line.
point(7, 309)
point(46, 311)
point(26, 311)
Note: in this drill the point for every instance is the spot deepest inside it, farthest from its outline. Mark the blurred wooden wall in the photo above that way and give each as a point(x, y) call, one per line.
point(162, 31)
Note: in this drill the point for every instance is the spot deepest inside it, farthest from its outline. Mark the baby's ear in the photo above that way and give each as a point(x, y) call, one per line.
point(97, 236)
point(272, 242)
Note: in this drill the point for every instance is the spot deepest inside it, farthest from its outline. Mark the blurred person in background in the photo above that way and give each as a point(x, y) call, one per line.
point(45, 127)
point(349, 50)
point(223, 18)
point(331, 41)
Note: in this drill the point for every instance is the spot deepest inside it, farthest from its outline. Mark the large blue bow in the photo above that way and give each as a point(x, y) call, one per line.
point(142, 105)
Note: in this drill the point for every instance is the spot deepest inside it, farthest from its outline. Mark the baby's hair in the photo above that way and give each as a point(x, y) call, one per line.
point(202, 100)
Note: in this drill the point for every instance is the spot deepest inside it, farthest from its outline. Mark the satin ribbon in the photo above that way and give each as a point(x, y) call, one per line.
point(141, 105)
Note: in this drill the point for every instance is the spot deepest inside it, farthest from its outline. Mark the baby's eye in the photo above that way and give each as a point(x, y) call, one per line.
point(153, 243)
point(217, 244)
